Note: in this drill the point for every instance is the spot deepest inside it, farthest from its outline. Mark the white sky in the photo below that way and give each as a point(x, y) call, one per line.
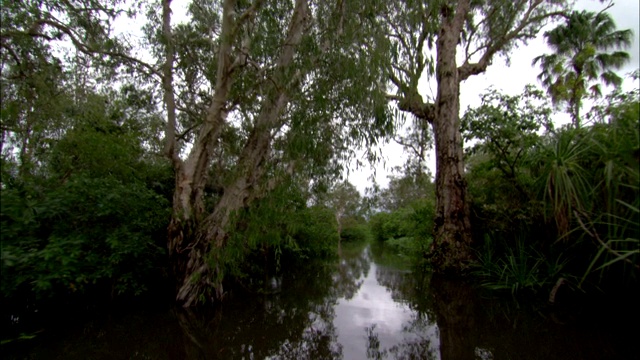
point(510, 80)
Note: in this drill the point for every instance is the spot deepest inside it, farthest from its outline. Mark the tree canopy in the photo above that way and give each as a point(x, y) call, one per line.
point(184, 154)
point(586, 48)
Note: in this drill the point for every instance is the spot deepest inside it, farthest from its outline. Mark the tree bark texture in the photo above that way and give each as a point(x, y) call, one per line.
point(191, 174)
point(197, 239)
point(451, 250)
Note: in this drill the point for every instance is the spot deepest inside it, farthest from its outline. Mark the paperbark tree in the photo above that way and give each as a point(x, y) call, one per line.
point(345, 201)
point(482, 30)
point(279, 95)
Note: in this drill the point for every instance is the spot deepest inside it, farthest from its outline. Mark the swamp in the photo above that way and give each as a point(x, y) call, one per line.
point(319, 179)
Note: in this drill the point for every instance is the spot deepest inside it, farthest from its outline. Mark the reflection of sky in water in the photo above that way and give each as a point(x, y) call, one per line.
point(373, 305)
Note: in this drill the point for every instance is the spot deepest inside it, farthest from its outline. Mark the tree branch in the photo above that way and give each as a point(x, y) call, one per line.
point(468, 69)
point(82, 47)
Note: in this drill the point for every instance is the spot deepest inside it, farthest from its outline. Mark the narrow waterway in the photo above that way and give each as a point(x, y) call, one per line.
point(366, 305)
point(376, 320)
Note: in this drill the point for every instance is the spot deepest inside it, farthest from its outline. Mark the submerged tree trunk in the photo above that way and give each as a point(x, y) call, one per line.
point(506, 23)
point(196, 239)
point(451, 250)
point(191, 174)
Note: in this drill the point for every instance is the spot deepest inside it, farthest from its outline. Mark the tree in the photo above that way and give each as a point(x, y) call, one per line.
point(345, 201)
point(482, 29)
point(580, 57)
point(36, 78)
point(506, 128)
point(402, 192)
point(504, 134)
point(291, 87)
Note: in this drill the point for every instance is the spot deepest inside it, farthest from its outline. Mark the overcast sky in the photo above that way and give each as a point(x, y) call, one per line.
point(510, 80)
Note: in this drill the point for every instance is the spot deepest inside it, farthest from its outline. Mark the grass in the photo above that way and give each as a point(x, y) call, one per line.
point(520, 268)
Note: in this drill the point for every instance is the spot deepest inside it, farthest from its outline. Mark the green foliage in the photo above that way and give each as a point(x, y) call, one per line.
point(584, 194)
point(520, 268)
point(407, 246)
point(88, 218)
point(279, 231)
point(86, 232)
point(563, 182)
point(505, 133)
point(386, 225)
point(611, 220)
point(506, 128)
point(355, 231)
point(581, 57)
point(407, 231)
point(403, 191)
point(315, 233)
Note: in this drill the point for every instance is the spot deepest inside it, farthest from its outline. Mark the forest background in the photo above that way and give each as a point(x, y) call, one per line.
point(186, 162)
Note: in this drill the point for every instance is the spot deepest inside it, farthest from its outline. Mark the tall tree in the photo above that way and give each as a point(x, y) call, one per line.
point(482, 30)
point(290, 87)
point(581, 56)
point(36, 76)
point(345, 201)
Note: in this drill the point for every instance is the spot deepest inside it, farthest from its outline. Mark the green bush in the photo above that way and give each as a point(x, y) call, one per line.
point(315, 232)
point(404, 245)
point(91, 221)
point(82, 235)
point(414, 221)
point(572, 192)
point(518, 268)
point(355, 232)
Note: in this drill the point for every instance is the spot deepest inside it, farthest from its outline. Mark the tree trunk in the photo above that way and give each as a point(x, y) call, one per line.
point(575, 104)
point(451, 250)
point(191, 175)
point(197, 240)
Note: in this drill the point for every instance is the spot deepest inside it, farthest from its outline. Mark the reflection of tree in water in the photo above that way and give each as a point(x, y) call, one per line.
point(444, 322)
point(373, 344)
point(421, 334)
point(471, 327)
point(353, 267)
point(417, 346)
point(456, 313)
point(275, 331)
point(528, 331)
point(411, 288)
point(295, 323)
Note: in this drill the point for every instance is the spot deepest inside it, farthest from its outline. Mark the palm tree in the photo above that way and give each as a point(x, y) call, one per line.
point(581, 55)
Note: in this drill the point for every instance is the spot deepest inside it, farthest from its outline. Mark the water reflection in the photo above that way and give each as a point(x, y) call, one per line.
point(367, 305)
point(295, 323)
point(379, 320)
point(353, 265)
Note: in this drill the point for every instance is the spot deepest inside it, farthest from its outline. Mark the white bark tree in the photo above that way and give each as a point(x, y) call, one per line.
point(283, 91)
point(481, 30)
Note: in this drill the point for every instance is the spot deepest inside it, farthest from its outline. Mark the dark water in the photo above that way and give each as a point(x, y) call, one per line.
point(367, 306)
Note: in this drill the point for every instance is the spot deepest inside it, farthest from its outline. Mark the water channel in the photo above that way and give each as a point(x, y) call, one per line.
point(366, 305)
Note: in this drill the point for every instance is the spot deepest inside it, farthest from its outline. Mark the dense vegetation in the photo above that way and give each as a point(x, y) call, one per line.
point(567, 209)
point(221, 158)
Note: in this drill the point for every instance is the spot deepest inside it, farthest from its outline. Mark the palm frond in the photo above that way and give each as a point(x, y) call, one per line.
point(580, 58)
